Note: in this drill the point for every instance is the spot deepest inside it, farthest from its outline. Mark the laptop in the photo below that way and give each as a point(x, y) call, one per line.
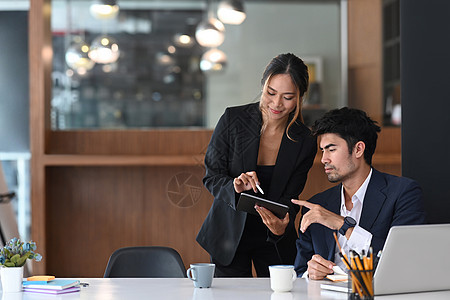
point(416, 258)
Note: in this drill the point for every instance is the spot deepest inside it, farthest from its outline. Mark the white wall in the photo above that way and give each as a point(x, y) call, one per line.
point(305, 29)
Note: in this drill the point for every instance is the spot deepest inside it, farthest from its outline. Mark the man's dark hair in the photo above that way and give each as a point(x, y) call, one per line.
point(353, 125)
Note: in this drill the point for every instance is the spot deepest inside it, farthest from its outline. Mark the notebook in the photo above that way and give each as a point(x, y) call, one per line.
point(73, 289)
point(56, 284)
point(415, 259)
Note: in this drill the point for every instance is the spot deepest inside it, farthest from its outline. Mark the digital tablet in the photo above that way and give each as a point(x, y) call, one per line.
point(247, 203)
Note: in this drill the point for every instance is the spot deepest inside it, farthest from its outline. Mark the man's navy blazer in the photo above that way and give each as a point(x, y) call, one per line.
point(389, 201)
point(233, 149)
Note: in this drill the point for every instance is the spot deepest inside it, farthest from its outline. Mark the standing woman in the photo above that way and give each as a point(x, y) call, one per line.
point(263, 143)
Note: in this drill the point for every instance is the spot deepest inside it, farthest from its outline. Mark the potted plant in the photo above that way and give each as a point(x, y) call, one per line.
point(12, 259)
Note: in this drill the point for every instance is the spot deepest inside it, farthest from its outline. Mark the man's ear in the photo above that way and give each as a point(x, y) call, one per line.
point(359, 149)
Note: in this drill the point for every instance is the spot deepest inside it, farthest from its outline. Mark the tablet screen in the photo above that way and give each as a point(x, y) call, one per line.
point(247, 203)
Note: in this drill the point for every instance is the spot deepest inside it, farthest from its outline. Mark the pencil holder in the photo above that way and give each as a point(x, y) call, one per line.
point(360, 285)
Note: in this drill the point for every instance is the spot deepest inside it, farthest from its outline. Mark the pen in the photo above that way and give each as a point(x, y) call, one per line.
point(259, 189)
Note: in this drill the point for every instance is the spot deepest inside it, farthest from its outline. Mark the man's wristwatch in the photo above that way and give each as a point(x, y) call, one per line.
point(348, 222)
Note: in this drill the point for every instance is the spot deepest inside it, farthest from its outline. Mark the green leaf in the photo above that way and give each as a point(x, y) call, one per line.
point(15, 259)
point(21, 261)
point(9, 264)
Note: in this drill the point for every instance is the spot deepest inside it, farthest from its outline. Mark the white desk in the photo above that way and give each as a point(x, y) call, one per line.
point(222, 289)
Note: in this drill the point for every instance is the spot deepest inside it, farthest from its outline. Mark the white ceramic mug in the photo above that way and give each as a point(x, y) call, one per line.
point(282, 277)
point(202, 274)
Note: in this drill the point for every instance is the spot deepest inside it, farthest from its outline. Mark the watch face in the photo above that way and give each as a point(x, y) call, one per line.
point(350, 221)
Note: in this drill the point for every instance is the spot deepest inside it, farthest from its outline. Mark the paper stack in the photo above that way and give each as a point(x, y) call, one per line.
point(339, 275)
point(55, 286)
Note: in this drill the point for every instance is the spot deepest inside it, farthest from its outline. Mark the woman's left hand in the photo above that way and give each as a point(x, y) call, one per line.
point(276, 225)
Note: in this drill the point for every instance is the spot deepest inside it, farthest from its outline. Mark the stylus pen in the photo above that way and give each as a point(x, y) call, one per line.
point(259, 189)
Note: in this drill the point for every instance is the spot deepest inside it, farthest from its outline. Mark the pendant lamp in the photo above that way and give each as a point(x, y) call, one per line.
point(231, 12)
point(77, 56)
point(104, 50)
point(104, 9)
point(213, 60)
point(210, 33)
point(183, 40)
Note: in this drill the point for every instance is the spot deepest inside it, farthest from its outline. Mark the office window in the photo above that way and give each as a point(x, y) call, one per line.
point(158, 83)
point(153, 83)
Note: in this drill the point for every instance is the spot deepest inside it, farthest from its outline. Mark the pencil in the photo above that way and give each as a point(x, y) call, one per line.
point(347, 264)
point(343, 256)
point(356, 280)
point(371, 262)
point(367, 272)
point(337, 242)
point(344, 259)
point(368, 266)
point(361, 276)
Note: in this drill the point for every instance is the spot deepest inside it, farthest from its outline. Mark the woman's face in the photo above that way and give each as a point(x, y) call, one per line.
point(280, 97)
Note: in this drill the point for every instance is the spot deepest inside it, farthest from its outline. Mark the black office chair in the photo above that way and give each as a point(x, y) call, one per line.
point(149, 262)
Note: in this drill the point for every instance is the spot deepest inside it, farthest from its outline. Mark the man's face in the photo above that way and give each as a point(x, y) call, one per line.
point(338, 163)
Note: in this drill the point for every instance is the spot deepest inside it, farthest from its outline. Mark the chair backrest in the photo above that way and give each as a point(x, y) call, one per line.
point(149, 262)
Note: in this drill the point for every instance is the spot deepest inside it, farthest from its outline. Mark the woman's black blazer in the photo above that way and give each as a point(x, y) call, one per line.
point(233, 149)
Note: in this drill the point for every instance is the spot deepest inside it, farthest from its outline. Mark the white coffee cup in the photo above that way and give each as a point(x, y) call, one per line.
point(201, 274)
point(282, 277)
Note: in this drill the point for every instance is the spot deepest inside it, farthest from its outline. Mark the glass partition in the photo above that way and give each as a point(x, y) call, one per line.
point(154, 77)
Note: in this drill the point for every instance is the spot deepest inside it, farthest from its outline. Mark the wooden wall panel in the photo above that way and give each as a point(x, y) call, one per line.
point(40, 61)
point(365, 62)
point(365, 90)
point(175, 209)
point(129, 142)
point(94, 210)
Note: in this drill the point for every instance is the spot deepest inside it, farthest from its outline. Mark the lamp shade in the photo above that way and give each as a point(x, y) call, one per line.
point(77, 57)
point(104, 50)
point(213, 60)
point(104, 9)
point(231, 12)
point(210, 33)
point(183, 40)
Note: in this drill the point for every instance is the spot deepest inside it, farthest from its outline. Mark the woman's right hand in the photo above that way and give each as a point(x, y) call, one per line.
point(245, 182)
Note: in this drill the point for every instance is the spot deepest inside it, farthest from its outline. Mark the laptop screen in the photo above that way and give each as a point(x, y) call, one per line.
point(415, 258)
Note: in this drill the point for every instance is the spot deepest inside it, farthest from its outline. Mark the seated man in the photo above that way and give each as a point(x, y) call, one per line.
point(363, 207)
